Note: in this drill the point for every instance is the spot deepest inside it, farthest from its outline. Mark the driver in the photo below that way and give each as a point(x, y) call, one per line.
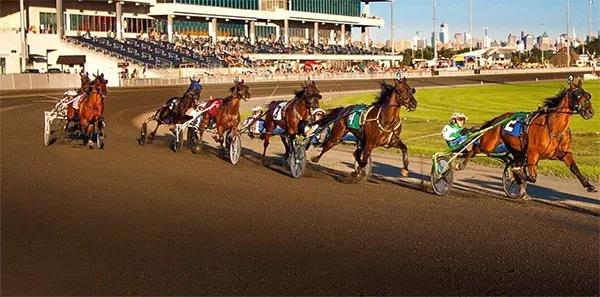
point(455, 132)
point(256, 123)
point(321, 135)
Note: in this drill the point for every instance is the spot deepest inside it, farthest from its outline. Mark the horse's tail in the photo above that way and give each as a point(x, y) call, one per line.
point(493, 121)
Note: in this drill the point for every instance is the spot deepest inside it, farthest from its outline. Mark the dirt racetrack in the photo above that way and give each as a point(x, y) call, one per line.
point(132, 220)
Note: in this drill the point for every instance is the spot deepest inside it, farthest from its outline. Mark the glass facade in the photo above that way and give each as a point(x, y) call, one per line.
point(47, 22)
point(338, 7)
point(238, 4)
point(200, 28)
point(265, 32)
point(85, 23)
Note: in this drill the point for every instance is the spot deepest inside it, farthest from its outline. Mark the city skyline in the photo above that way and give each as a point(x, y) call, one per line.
point(497, 15)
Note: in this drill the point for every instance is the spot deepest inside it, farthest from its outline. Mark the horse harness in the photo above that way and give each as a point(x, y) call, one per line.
point(390, 129)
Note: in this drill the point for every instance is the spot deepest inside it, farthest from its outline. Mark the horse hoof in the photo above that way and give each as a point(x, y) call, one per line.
point(404, 172)
point(315, 160)
point(591, 189)
point(525, 197)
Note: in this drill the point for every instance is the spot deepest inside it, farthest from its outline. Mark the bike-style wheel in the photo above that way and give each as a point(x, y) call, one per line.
point(297, 159)
point(235, 147)
point(100, 139)
point(47, 132)
point(143, 133)
point(442, 176)
point(178, 143)
point(362, 174)
point(511, 187)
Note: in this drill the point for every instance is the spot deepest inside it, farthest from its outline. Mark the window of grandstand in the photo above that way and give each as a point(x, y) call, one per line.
point(266, 31)
point(271, 5)
point(107, 23)
point(239, 4)
point(339, 7)
point(47, 22)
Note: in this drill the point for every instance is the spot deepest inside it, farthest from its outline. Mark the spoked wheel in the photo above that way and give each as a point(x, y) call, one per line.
point(143, 132)
point(100, 139)
point(442, 176)
point(365, 172)
point(178, 143)
point(47, 132)
point(297, 159)
point(235, 147)
point(511, 186)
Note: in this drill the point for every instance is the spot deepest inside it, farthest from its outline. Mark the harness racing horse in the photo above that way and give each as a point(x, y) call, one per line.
point(91, 110)
point(173, 112)
point(295, 114)
point(545, 134)
point(72, 112)
point(381, 126)
point(227, 115)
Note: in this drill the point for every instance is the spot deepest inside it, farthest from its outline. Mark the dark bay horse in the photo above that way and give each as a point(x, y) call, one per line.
point(173, 112)
point(91, 110)
point(227, 116)
point(294, 115)
point(547, 137)
point(382, 124)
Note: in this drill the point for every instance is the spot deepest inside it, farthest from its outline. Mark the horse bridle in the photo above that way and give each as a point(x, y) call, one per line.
point(574, 105)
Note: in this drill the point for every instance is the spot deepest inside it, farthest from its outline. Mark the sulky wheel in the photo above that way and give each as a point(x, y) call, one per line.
point(235, 148)
point(178, 142)
point(511, 185)
point(143, 133)
point(100, 139)
point(442, 176)
point(297, 159)
point(47, 132)
point(364, 173)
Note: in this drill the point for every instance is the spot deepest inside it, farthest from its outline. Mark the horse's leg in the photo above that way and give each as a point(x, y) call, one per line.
point(568, 159)
point(269, 126)
point(337, 132)
point(531, 166)
point(404, 149)
point(286, 144)
point(153, 133)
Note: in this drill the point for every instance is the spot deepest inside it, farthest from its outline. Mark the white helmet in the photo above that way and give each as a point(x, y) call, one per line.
point(70, 93)
point(256, 108)
point(459, 115)
point(317, 111)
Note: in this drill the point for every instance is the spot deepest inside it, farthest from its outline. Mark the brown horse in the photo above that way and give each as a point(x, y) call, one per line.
point(91, 110)
point(227, 115)
point(381, 126)
point(295, 114)
point(72, 113)
point(173, 112)
point(545, 135)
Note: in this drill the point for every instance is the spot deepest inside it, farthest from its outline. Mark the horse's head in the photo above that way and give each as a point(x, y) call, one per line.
point(406, 93)
point(99, 84)
point(85, 81)
point(310, 94)
point(240, 90)
point(580, 101)
point(194, 89)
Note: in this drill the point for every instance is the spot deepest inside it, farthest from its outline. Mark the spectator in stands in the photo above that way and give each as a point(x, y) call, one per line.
point(134, 73)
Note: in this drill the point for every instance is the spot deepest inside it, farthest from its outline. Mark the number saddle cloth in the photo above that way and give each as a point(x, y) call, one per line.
point(519, 126)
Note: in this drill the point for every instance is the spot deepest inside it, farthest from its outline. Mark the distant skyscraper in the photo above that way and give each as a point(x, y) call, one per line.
point(529, 42)
point(512, 40)
point(444, 34)
point(523, 35)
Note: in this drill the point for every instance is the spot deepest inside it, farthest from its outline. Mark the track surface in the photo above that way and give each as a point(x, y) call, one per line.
point(146, 221)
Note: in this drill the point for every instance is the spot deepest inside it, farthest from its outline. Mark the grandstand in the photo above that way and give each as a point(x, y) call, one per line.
point(162, 34)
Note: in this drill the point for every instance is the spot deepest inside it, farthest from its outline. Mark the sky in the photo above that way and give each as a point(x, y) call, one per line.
point(502, 17)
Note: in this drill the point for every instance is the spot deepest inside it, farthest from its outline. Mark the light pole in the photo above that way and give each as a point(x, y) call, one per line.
point(418, 38)
point(568, 40)
point(23, 40)
point(434, 32)
point(542, 43)
point(590, 22)
point(471, 27)
point(393, 41)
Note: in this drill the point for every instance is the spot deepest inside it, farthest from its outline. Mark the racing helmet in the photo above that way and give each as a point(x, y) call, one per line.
point(256, 108)
point(317, 111)
point(70, 93)
point(458, 115)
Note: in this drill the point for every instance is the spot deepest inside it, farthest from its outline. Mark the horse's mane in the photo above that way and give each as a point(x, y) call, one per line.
point(298, 93)
point(385, 94)
point(555, 100)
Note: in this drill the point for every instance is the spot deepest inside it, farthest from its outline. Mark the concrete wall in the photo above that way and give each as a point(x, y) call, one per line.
point(23, 81)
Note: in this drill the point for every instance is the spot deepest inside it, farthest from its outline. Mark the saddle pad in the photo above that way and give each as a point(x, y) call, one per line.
point(278, 112)
point(514, 127)
point(213, 106)
point(354, 118)
point(76, 101)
